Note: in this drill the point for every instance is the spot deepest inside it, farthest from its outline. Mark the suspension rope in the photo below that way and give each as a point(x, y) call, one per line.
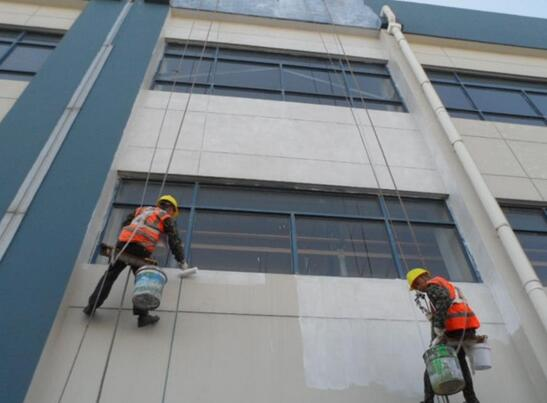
point(368, 154)
point(115, 259)
point(179, 294)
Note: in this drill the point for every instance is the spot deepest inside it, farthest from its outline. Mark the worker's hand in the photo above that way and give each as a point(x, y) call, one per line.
point(429, 316)
point(183, 265)
point(438, 331)
point(438, 340)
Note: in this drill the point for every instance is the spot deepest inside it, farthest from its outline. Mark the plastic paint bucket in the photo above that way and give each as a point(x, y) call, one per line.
point(482, 356)
point(149, 282)
point(444, 370)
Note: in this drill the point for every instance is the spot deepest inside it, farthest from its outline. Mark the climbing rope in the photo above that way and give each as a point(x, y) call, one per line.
point(117, 256)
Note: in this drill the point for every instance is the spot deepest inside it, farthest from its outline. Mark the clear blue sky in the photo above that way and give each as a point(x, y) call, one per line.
point(530, 8)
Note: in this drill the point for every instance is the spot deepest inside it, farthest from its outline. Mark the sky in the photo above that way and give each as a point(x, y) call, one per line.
point(530, 8)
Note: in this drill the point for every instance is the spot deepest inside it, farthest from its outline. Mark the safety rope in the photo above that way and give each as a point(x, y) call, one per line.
point(114, 260)
point(179, 294)
point(360, 93)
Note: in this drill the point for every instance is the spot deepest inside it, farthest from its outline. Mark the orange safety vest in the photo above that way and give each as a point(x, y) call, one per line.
point(146, 227)
point(460, 316)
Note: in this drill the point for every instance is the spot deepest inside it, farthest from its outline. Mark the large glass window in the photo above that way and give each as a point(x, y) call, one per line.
point(23, 53)
point(474, 96)
point(530, 226)
point(265, 230)
point(253, 74)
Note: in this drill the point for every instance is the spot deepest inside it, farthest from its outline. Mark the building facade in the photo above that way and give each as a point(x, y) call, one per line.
point(318, 151)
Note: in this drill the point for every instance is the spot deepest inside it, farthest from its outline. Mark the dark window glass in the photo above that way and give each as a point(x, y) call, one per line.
point(372, 87)
point(535, 246)
point(492, 98)
point(314, 81)
point(198, 88)
point(500, 101)
point(418, 209)
point(531, 219)
point(251, 75)
point(442, 75)
point(453, 96)
point(357, 67)
point(438, 246)
point(465, 114)
point(241, 242)
point(26, 58)
point(344, 248)
point(187, 70)
point(247, 93)
point(9, 35)
point(383, 106)
point(41, 38)
point(540, 102)
point(302, 202)
point(3, 48)
point(501, 82)
point(514, 119)
point(245, 55)
point(251, 229)
point(190, 50)
point(293, 78)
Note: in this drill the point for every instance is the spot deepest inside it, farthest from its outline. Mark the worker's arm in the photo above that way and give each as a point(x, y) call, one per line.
point(440, 298)
point(128, 219)
point(175, 244)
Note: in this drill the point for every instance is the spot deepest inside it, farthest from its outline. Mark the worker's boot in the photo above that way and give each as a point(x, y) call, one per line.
point(145, 320)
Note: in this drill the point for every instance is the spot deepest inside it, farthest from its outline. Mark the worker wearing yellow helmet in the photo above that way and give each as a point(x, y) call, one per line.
point(139, 236)
point(452, 321)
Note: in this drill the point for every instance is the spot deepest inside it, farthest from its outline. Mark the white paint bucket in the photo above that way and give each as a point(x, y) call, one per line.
point(149, 282)
point(482, 356)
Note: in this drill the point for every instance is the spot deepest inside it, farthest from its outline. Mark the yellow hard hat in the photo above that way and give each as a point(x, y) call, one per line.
point(170, 199)
point(413, 274)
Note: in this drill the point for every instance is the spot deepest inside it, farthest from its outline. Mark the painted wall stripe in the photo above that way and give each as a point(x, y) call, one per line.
point(36, 267)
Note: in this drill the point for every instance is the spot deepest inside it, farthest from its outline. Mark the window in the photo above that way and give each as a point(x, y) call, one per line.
point(23, 53)
point(530, 226)
point(473, 96)
point(256, 229)
point(252, 74)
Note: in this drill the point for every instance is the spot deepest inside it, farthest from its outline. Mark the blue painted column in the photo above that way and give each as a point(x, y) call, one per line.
point(38, 264)
point(27, 126)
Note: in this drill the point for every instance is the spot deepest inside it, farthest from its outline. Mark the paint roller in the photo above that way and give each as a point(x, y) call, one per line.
point(188, 272)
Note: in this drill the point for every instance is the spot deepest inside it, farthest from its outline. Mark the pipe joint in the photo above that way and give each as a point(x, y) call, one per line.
point(394, 26)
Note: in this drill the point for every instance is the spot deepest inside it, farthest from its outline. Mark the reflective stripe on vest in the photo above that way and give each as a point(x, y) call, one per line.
point(459, 316)
point(146, 227)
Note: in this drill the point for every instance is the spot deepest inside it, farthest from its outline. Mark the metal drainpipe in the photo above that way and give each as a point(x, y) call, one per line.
point(532, 285)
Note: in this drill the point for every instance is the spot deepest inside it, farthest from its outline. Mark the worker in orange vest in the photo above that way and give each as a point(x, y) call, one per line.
point(139, 236)
point(452, 320)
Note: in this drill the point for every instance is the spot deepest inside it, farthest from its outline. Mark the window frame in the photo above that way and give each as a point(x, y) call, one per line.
point(382, 215)
point(517, 229)
point(20, 40)
point(315, 62)
point(459, 81)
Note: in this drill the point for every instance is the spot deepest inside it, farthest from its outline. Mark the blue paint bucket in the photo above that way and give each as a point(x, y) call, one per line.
point(149, 282)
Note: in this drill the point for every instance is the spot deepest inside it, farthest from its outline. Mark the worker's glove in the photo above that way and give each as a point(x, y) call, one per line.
point(183, 265)
point(429, 316)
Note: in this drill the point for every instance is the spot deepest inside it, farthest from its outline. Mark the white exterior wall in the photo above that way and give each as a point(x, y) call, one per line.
point(251, 337)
